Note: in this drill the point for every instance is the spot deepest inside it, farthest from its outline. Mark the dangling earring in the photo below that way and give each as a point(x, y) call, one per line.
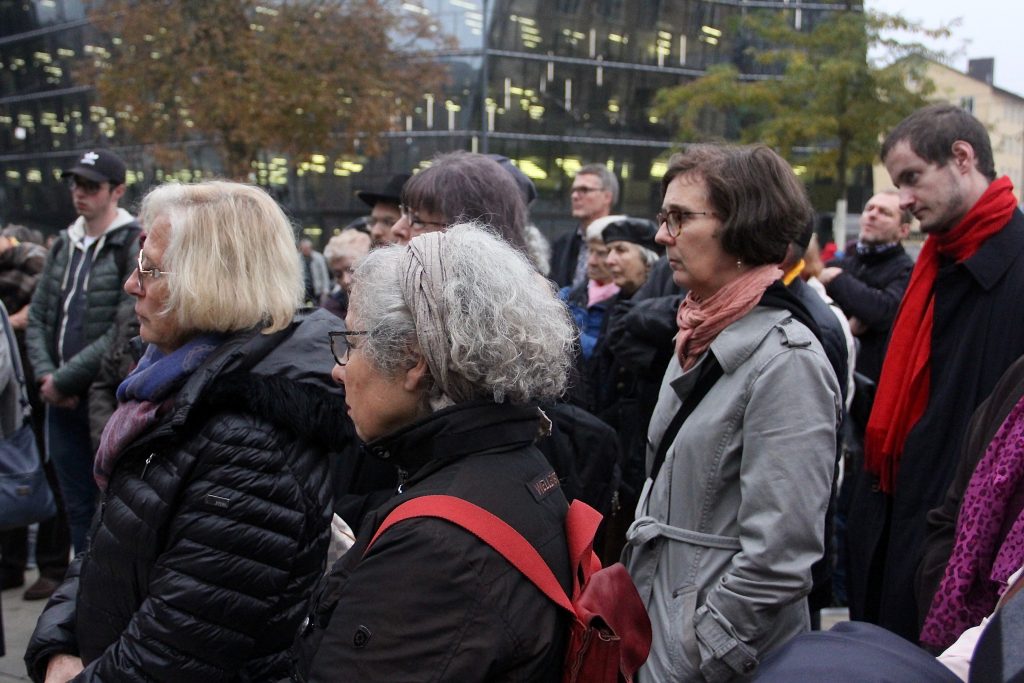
point(739, 264)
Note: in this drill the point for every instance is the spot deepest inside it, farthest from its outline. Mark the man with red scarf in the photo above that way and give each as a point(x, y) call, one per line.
point(958, 329)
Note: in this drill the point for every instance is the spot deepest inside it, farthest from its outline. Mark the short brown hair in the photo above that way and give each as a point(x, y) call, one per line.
point(467, 187)
point(761, 203)
point(931, 132)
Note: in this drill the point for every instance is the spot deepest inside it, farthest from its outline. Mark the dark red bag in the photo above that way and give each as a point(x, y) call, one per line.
point(610, 636)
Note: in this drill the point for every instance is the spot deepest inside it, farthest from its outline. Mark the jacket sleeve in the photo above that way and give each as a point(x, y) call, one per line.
point(789, 446)
point(38, 341)
point(115, 365)
point(242, 556)
point(873, 306)
point(55, 630)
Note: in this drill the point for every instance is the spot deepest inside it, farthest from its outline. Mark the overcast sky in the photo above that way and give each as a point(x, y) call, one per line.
point(989, 28)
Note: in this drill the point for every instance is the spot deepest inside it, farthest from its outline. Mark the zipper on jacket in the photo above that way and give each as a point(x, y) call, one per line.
point(146, 466)
point(403, 476)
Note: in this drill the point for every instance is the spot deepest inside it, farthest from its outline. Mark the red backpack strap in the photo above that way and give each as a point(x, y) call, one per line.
point(580, 527)
point(490, 529)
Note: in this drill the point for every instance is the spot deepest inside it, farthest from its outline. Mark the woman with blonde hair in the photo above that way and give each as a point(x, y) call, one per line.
point(213, 525)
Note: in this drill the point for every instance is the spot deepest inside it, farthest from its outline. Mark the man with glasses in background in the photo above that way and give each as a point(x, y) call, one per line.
point(595, 190)
point(71, 322)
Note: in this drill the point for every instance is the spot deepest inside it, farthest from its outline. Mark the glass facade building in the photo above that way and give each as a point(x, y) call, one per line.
point(552, 85)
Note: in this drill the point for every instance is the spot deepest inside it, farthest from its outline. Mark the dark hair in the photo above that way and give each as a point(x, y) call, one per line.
point(609, 182)
point(464, 187)
point(24, 234)
point(931, 132)
point(761, 203)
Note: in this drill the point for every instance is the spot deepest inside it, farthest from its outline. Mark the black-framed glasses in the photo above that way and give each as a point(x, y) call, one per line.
point(340, 344)
point(153, 273)
point(416, 223)
point(674, 219)
point(584, 190)
point(89, 187)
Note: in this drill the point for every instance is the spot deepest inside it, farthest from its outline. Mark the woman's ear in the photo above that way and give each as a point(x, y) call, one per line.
point(417, 376)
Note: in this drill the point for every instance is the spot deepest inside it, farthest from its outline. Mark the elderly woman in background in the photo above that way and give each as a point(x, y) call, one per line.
point(214, 520)
point(342, 253)
point(743, 437)
point(450, 342)
point(614, 392)
point(588, 302)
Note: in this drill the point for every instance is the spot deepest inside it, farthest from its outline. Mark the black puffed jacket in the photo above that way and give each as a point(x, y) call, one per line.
point(213, 531)
point(429, 601)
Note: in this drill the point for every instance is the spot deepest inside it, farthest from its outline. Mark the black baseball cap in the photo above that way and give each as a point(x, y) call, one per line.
point(99, 166)
point(391, 193)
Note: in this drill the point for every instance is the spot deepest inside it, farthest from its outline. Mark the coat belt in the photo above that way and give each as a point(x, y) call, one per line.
point(646, 529)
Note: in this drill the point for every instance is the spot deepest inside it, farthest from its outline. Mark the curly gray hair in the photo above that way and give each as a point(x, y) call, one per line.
point(488, 326)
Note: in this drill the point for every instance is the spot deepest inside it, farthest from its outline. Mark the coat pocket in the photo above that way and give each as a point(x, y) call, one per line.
point(682, 636)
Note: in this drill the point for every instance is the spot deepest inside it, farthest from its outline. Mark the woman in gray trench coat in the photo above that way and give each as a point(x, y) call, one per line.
point(732, 515)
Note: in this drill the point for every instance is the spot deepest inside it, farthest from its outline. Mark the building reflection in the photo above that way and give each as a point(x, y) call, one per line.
point(552, 85)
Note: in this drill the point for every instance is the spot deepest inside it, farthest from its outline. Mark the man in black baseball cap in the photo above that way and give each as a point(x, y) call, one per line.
point(99, 166)
point(73, 308)
point(385, 208)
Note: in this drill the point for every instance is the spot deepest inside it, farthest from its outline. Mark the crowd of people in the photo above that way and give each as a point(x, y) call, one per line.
point(229, 416)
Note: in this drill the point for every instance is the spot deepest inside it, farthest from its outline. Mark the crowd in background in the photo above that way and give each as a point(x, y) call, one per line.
point(223, 408)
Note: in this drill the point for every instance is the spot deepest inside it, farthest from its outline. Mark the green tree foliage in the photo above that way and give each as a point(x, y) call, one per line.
point(289, 76)
point(836, 89)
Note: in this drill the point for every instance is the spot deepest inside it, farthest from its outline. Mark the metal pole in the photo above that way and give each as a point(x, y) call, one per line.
point(484, 59)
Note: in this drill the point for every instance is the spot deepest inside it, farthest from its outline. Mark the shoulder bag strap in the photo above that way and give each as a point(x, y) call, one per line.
point(709, 374)
point(490, 529)
point(19, 372)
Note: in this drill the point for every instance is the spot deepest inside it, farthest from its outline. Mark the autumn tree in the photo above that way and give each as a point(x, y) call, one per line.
point(824, 96)
point(288, 76)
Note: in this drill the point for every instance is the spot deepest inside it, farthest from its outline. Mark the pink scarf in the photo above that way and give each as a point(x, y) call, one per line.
point(596, 292)
point(989, 543)
point(700, 321)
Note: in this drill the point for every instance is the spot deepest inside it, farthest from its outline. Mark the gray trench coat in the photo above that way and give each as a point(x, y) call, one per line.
point(725, 536)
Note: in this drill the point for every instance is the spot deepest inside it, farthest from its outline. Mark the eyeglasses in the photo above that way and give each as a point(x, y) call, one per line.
point(417, 224)
point(153, 273)
point(89, 187)
point(674, 219)
point(583, 189)
point(340, 344)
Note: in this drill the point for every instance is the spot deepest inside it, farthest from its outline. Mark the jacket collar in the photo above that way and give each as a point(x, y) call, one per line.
point(249, 368)
point(454, 432)
point(998, 254)
point(880, 256)
point(736, 343)
point(76, 231)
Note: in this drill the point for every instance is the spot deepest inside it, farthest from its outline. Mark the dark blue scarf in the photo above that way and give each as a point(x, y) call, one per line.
point(146, 395)
point(158, 375)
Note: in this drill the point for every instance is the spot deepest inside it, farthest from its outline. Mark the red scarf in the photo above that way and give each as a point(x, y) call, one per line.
point(904, 385)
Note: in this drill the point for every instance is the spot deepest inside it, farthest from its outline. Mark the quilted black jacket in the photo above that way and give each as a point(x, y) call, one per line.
point(431, 602)
point(214, 529)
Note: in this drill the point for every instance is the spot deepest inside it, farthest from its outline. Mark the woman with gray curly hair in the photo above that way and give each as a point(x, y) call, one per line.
point(450, 342)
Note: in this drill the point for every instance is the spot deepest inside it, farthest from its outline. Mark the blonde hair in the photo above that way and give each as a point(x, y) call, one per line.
point(352, 244)
point(232, 255)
